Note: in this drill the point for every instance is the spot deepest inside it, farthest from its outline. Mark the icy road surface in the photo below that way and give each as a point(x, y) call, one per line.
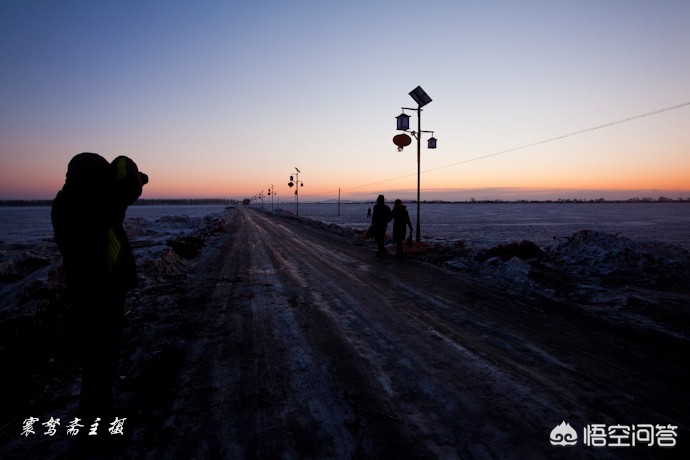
point(283, 340)
point(298, 343)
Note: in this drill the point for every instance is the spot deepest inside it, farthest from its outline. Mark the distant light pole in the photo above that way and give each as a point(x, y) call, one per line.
point(297, 185)
point(401, 140)
point(271, 193)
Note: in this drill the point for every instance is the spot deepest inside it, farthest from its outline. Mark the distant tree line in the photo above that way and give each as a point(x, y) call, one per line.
point(184, 201)
point(23, 203)
point(661, 199)
point(246, 201)
point(139, 202)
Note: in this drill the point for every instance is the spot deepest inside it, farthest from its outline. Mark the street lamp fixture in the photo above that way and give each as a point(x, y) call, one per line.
point(271, 193)
point(403, 122)
point(401, 140)
point(297, 184)
point(431, 142)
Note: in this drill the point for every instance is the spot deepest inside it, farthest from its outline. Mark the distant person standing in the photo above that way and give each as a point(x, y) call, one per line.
point(401, 220)
point(369, 213)
point(87, 216)
point(379, 219)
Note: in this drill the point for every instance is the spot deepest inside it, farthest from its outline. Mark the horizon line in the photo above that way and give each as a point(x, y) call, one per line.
point(247, 201)
point(441, 194)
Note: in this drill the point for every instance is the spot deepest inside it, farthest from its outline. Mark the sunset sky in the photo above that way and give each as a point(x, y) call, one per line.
point(225, 98)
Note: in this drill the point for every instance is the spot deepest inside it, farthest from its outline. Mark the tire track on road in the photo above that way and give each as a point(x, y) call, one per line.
point(309, 347)
point(425, 377)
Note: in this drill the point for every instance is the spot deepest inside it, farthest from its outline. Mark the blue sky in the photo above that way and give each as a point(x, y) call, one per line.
point(226, 98)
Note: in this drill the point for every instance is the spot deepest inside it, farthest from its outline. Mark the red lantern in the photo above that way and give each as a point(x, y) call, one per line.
point(402, 140)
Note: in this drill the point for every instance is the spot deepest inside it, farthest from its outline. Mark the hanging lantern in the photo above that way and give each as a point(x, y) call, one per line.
point(401, 140)
point(431, 143)
point(290, 184)
point(403, 122)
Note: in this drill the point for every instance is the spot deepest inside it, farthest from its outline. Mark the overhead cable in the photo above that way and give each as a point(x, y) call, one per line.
point(521, 147)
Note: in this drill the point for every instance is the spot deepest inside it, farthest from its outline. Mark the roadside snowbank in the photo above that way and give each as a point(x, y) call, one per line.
point(617, 259)
point(160, 247)
point(639, 284)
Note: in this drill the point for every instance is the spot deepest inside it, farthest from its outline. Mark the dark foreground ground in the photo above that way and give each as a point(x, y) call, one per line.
point(282, 340)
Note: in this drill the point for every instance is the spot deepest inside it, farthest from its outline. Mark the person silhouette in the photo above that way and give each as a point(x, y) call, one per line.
point(401, 220)
point(379, 220)
point(87, 216)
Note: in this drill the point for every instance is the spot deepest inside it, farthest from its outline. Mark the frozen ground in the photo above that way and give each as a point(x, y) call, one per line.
point(480, 225)
point(259, 336)
point(484, 225)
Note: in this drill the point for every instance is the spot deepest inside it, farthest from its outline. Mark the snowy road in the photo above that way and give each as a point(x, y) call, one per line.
point(299, 343)
point(283, 340)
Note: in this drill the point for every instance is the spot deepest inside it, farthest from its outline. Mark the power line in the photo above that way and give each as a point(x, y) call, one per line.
point(521, 147)
point(575, 133)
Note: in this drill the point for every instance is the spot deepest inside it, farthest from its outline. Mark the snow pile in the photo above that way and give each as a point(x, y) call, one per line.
point(169, 257)
point(155, 270)
point(29, 274)
point(614, 258)
point(16, 265)
point(138, 227)
point(585, 255)
point(640, 284)
point(516, 270)
point(524, 250)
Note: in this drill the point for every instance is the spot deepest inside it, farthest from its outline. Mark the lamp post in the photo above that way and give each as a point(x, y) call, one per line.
point(271, 193)
point(403, 124)
point(297, 184)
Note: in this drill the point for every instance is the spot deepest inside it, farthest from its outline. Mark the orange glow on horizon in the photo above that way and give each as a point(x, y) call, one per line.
point(200, 183)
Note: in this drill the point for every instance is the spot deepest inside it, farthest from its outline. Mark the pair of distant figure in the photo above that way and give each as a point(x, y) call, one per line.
point(401, 221)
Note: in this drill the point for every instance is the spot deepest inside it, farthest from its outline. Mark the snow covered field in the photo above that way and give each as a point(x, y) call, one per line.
point(480, 225)
point(484, 225)
point(25, 225)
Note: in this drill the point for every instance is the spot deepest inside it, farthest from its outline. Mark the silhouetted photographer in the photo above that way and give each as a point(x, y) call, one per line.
point(87, 216)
